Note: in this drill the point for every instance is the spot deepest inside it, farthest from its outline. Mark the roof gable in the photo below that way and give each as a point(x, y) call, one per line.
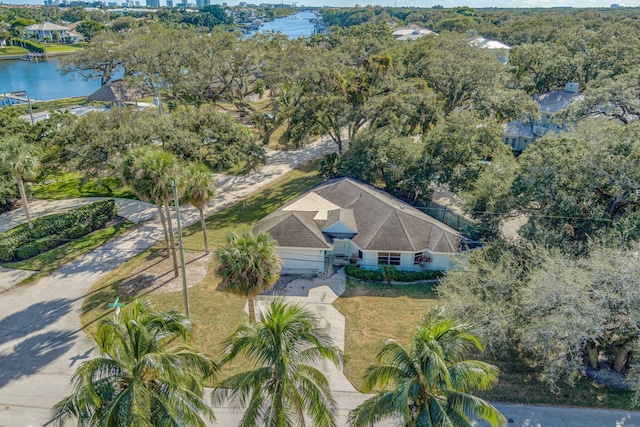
point(340, 221)
point(380, 221)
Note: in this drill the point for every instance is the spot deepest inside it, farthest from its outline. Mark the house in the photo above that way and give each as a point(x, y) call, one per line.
point(500, 50)
point(411, 33)
point(522, 133)
point(53, 33)
point(345, 221)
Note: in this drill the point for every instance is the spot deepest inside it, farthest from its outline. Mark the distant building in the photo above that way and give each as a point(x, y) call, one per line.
point(410, 33)
point(615, 6)
point(53, 32)
point(169, 3)
point(153, 3)
point(500, 50)
point(522, 133)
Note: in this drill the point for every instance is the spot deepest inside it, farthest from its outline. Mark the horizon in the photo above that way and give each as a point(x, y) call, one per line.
point(423, 4)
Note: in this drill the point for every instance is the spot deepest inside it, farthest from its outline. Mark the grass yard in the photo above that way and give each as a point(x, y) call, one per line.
point(519, 384)
point(58, 48)
point(375, 312)
point(215, 314)
point(54, 104)
point(52, 260)
point(13, 50)
point(71, 185)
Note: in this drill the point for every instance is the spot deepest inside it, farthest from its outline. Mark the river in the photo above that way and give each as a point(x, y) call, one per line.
point(43, 80)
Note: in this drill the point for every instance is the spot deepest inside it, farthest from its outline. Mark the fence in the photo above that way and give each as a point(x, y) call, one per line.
point(441, 213)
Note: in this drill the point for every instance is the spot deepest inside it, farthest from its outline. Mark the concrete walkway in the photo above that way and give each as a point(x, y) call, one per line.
point(41, 343)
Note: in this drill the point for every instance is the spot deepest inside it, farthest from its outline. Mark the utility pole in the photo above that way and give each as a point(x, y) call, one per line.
point(185, 291)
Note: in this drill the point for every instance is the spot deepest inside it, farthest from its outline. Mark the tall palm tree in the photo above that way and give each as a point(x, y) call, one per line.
point(248, 265)
point(20, 159)
point(198, 190)
point(148, 171)
point(139, 379)
point(285, 385)
point(430, 384)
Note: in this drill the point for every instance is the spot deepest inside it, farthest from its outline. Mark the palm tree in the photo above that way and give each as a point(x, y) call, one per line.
point(149, 172)
point(430, 384)
point(248, 265)
point(139, 379)
point(19, 159)
point(198, 190)
point(285, 385)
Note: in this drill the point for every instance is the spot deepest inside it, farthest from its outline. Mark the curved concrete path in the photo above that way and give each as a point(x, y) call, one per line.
point(41, 342)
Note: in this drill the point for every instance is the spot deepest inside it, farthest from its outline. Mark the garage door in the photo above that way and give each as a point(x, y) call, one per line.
point(301, 261)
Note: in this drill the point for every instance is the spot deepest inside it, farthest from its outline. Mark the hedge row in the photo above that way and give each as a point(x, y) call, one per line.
point(53, 230)
point(397, 275)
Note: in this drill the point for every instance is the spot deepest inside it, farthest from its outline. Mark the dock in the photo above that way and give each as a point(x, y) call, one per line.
point(14, 98)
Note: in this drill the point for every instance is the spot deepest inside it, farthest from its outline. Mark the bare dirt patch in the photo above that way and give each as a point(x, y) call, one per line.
point(155, 275)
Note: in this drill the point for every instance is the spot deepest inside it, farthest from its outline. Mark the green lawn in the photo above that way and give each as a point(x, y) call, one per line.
point(376, 312)
point(13, 50)
point(71, 185)
point(57, 48)
point(52, 260)
point(55, 104)
point(215, 314)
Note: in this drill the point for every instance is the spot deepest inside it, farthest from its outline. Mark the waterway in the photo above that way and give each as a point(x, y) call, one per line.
point(293, 26)
point(43, 80)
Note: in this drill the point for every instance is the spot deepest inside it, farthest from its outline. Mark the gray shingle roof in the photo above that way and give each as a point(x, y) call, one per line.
point(555, 100)
point(383, 222)
point(47, 26)
point(344, 216)
point(518, 128)
point(117, 91)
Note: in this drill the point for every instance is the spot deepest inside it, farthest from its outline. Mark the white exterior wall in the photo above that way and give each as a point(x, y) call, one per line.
point(301, 260)
point(369, 260)
point(439, 261)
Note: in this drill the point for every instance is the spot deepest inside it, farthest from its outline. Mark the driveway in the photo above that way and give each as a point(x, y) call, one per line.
point(41, 342)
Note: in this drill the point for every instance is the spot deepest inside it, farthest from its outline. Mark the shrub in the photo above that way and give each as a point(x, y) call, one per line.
point(397, 275)
point(37, 247)
point(54, 229)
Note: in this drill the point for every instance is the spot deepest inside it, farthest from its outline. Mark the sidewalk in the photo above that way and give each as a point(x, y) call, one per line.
point(41, 342)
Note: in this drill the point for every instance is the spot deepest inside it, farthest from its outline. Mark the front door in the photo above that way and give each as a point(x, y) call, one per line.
point(338, 247)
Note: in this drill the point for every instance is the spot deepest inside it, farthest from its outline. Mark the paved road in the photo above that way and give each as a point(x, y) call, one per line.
point(41, 342)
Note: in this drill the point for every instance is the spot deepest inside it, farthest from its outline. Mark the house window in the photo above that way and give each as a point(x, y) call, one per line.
point(513, 143)
point(388, 258)
point(421, 259)
point(506, 140)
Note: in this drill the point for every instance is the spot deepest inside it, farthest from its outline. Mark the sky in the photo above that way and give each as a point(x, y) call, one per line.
point(417, 3)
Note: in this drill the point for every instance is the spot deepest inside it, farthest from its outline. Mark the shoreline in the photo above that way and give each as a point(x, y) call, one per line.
point(26, 55)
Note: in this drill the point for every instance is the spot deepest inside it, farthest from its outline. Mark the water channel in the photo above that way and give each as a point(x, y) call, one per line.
point(43, 80)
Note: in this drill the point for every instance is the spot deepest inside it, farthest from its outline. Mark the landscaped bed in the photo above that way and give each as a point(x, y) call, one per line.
point(215, 314)
point(51, 231)
point(391, 274)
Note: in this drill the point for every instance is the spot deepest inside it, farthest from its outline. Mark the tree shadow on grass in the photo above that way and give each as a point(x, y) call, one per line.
point(260, 205)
